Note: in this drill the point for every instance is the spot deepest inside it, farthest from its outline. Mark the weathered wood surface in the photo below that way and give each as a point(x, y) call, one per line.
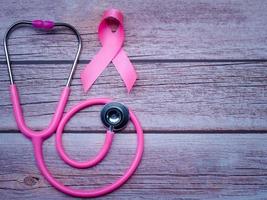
point(167, 96)
point(154, 29)
point(174, 166)
point(202, 69)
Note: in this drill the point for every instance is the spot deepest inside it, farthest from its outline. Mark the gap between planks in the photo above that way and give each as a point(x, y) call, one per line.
point(158, 132)
point(243, 61)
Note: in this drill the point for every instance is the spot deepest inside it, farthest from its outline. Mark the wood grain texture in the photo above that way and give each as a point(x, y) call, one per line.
point(203, 166)
point(202, 69)
point(167, 96)
point(168, 29)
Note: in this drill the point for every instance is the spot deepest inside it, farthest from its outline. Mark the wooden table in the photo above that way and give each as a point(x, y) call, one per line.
point(201, 97)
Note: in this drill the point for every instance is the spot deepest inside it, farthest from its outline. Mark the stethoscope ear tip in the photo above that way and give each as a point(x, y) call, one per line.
point(115, 116)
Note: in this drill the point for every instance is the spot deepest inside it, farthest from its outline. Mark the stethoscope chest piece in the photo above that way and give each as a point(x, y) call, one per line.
point(115, 116)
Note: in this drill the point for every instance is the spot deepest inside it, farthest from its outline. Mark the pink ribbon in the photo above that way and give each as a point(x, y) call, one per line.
point(111, 51)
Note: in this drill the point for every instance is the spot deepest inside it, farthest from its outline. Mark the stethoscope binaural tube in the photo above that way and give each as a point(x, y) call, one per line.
point(44, 25)
point(37, 142)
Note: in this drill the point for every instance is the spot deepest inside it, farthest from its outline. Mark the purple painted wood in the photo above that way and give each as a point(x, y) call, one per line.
point(171, 29)
point(174, 166)
point(189, 96)
point(202, 71)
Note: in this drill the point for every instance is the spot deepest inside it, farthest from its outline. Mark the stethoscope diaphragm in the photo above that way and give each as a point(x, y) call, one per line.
point(115, 116)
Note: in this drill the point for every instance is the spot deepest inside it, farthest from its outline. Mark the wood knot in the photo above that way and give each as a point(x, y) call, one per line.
point(31, 180)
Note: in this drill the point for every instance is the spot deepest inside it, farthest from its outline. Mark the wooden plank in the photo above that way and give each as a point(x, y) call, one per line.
point(168, 96)
point(184, 29)
point(174, 166)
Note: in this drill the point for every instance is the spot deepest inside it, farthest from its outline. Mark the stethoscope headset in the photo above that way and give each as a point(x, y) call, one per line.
point(114, 116)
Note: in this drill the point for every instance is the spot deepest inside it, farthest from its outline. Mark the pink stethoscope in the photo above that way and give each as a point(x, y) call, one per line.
point(114, 116)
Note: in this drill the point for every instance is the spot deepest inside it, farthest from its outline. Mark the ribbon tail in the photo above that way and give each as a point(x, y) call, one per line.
point(95, 68)
point(125, 69)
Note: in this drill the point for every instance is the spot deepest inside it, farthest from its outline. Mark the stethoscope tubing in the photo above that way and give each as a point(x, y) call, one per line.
point(13, 88)
point(51, 128)
point(59, 145)
point(38, 142)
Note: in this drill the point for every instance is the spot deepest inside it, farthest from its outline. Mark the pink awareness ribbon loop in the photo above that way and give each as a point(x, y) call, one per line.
point(111, 51)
